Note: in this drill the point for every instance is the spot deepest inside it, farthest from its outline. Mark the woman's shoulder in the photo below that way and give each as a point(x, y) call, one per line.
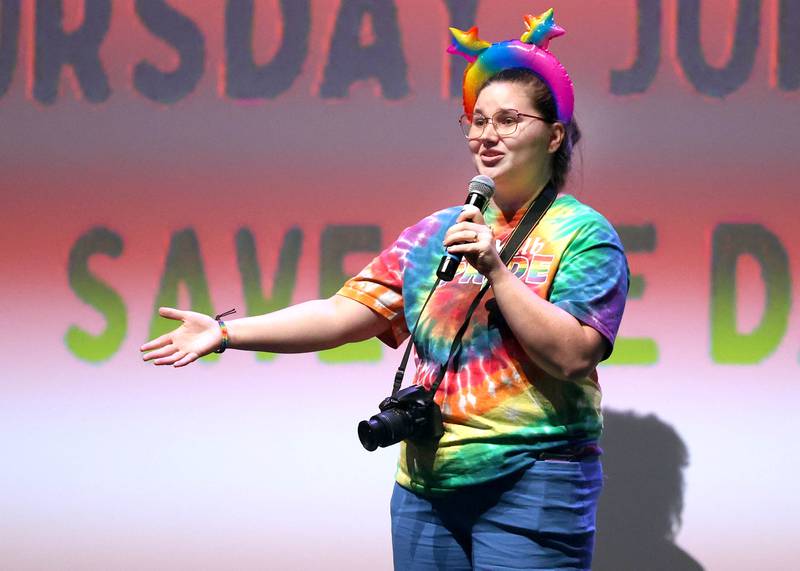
point(572, 215)
point(433, 223)
point(426, 233)
point(567, 205)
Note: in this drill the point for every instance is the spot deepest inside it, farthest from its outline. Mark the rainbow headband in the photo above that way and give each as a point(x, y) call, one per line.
point(529, 52)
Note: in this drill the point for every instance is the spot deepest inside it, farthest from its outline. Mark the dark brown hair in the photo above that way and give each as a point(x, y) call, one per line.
point(543, 101)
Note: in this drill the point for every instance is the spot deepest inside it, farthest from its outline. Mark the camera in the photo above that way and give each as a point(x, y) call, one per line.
point(411, 414)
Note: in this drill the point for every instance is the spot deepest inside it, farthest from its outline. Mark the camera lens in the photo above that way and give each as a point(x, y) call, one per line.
point(367, 434)
point(384, 429)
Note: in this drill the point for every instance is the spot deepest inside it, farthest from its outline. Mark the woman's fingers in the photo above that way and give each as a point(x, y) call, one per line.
point(457, 227)
point(471, 213)
point(466, 233)
point(474, 248)
point(163, 352)
point(176, 356)
point(464, 237)
point(462, 226)
point(185, 360)
point(171, 313)
point(156, 343)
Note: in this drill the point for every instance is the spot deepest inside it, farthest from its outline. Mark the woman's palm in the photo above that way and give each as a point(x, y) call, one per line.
point(198, 335)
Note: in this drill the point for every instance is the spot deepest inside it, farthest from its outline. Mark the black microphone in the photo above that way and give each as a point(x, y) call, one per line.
point(479, 192)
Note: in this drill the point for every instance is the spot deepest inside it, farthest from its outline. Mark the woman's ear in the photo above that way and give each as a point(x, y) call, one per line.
point(557, 134)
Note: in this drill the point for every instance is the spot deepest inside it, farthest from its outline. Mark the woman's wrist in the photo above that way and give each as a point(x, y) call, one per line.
point(498, 274)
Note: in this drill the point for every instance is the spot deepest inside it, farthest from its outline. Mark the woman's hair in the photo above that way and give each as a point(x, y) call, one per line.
point(542, 99)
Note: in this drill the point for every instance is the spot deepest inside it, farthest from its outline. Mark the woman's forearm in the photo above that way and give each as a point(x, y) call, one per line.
point(309, 326)
point(552, 338)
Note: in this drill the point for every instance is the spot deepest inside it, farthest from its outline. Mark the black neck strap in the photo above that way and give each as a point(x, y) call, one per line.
point(530, 219)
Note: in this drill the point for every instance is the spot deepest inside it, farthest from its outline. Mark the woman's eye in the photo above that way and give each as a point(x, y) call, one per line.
point(479, 121)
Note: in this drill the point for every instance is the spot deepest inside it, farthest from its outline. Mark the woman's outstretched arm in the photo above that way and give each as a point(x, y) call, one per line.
point(309, 326)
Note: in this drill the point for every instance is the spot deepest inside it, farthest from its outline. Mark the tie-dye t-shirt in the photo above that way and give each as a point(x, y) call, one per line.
point(498, 405)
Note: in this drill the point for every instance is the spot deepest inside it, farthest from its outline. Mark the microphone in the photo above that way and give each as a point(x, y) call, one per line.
point(479, 192)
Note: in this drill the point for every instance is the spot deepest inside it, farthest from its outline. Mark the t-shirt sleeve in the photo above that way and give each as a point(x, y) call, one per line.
point(379, 286)
point(591, 282)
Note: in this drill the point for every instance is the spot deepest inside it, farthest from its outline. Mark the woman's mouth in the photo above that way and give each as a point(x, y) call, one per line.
point(490, 159)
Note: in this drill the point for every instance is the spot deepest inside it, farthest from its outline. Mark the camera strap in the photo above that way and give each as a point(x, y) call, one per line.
point(530, 219)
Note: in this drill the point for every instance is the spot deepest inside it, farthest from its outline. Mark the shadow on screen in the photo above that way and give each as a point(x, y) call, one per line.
point(642, 500)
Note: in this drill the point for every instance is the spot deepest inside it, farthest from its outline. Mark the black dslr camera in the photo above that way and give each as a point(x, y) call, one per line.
point(411, 414)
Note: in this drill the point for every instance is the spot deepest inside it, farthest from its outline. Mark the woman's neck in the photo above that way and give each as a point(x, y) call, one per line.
point(510, 202)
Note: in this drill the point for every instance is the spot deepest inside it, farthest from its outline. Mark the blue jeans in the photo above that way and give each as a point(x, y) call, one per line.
point(540, 518)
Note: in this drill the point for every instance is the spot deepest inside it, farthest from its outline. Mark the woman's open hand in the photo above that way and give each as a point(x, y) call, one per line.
point(198, 335)
point(471, 237)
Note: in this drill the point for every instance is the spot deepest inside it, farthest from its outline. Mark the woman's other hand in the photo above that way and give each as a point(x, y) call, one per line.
point(471, 237)
point(198, 335)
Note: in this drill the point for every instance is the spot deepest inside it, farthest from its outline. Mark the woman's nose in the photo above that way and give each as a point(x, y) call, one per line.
point(489, 133)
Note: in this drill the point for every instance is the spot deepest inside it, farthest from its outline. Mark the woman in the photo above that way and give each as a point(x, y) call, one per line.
point(513, 482)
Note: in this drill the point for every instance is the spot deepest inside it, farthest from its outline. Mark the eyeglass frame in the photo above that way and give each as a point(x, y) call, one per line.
point(491, 120)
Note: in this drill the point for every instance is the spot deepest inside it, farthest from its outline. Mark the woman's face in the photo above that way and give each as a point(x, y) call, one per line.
point(522, 160)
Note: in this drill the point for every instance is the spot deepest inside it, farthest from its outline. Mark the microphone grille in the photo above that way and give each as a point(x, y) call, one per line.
point(482, 185)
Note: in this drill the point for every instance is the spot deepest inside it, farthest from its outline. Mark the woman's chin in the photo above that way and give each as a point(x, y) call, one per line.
point(493, 172)
point(496, 174)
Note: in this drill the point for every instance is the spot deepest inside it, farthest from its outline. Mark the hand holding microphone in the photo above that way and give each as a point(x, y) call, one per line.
point(469, 233)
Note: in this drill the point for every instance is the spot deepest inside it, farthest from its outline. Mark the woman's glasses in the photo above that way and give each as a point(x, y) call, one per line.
point(505, 123)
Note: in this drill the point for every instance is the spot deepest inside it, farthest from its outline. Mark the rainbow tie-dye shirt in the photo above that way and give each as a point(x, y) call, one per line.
point(497, 405)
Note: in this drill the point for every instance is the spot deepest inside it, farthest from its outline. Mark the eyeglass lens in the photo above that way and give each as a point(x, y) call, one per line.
point(504, 121)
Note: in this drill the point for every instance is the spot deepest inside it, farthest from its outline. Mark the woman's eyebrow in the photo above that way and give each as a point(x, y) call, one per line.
point(478, 111)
